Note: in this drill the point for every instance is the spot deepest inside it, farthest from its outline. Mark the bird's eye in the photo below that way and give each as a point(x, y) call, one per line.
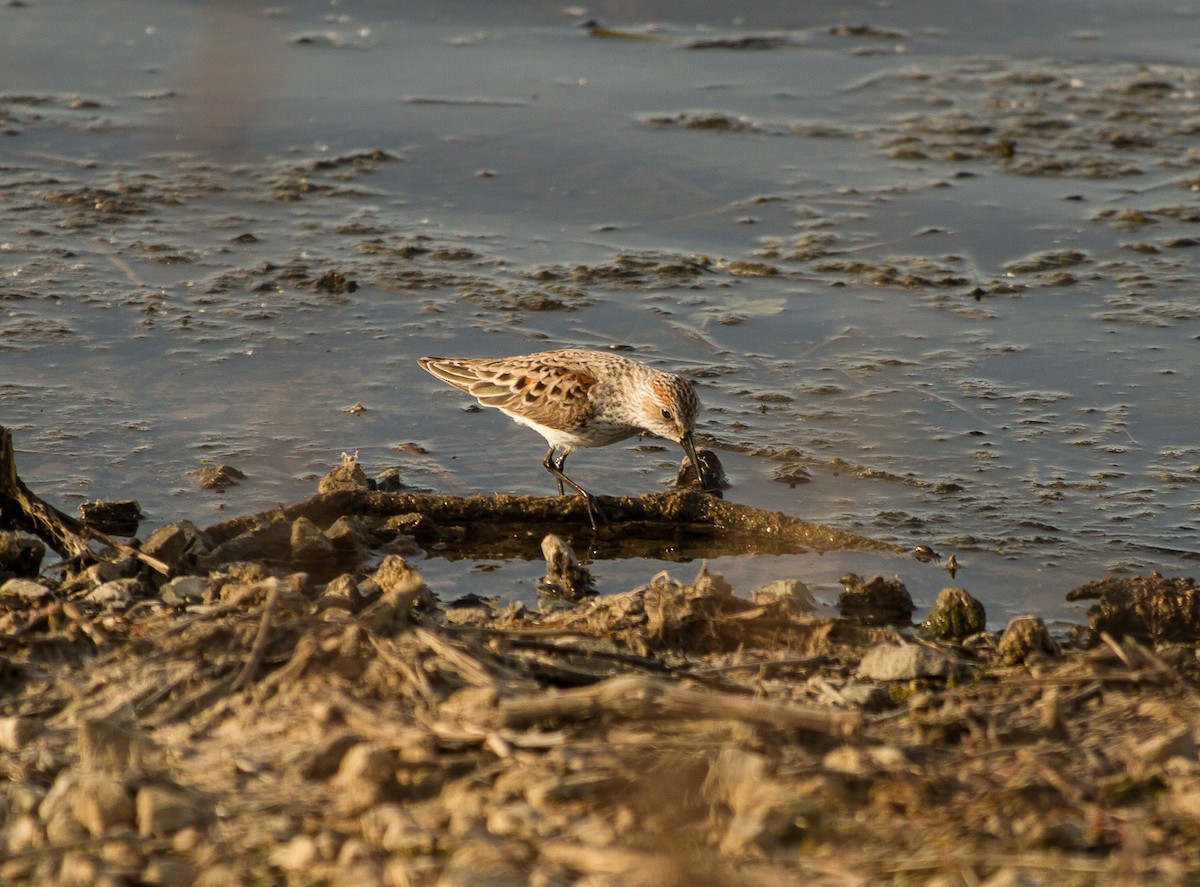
point(666, 414)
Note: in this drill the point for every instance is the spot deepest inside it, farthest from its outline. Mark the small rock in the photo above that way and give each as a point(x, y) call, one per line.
point(484, 863)
point(99, 574)
point(392, 828)
point(222, 874)
point(80, 869)
point(217, 477)
point(565, 576)
point(101, 802)
point(402, 587)
point(876, 601)
point(184, 590)
point(324, 761)
point(349, 537)
point(119, 594)
point(162, 811)
point(23, 833)
point(270, 540)
point(1026, 636)
point(390, 480)
point(869, 697)
point(63, 828)
point(168, 871)
point(366, 762)
point(341, 594)
point(517, 819)
point(792, 592)
point(365, 777)
point(955, 615)
point(178, 545)
point(118, 516)
point(847, 759)
point(25, 589)
point(58, 797)
point(347, 476)
point(470, 609)
point(905, 662)
point(297, 855)
point(20, 554)
point(309, 544)
point(354, 852)
point(712, 473)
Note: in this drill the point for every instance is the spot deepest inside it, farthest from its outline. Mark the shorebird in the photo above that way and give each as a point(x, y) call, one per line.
point(578, 398)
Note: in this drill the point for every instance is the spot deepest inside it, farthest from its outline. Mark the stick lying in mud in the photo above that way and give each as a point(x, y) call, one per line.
point(21, 509)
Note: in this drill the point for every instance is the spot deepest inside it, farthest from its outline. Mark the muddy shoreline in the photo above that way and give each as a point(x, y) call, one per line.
point(291, 705)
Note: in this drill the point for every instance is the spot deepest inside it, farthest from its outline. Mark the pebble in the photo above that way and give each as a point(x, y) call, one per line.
point(162, 811)
point(100, 802)
point(392, 828)
point(296, 855)
point(168, 871)
point(184, 590)
point(347, 476)
point(1024, 637)
point(349, 537)
point(177, 544)
point(23, 833)
point(79, 869)
point(869, 697)
point(20, 554)
point(366, 762)
point(876, 601)
point(792, 592)
point(904, 662)
point(366, 776)
point(117, 593)
point(309, 544)
point(25, 589)
point(955, 615)
point(565, 577)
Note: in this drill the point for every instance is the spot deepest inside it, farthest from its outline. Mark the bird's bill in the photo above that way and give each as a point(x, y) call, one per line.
point(689, 447)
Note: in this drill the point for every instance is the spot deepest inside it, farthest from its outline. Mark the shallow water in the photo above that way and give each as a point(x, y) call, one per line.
point(948, 265)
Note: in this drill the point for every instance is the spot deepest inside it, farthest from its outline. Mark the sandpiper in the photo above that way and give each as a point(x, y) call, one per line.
point(578, 398)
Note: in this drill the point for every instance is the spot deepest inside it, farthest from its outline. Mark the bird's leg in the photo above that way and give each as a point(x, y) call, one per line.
point(556, 471)
point(555, 468)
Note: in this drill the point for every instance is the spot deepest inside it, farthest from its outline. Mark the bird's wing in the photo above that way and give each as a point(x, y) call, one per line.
point(543, 391)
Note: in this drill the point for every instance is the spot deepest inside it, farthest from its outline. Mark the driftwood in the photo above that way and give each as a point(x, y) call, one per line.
point(21, 509)
point(688, 524)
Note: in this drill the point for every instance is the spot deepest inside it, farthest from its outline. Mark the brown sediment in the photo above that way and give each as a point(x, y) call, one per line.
point(246, 722)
